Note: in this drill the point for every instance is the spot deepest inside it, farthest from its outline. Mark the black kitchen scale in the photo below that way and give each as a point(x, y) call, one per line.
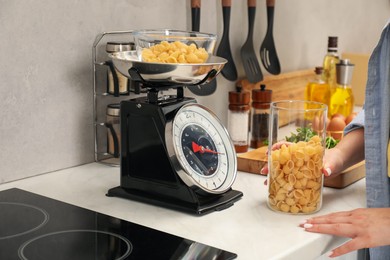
point(174, 152)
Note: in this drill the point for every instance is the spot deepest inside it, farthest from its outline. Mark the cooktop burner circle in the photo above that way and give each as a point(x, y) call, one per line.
point(76, 244)
point(18, 219)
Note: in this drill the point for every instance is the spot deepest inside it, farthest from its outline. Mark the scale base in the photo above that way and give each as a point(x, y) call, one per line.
point(217, 203)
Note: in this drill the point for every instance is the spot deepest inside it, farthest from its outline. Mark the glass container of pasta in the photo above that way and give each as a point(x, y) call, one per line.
point(296, 148)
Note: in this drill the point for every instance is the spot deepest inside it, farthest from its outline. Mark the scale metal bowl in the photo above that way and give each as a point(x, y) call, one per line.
point(168, 73)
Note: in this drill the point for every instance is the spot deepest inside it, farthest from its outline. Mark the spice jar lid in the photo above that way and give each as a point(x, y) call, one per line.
point(262, 95)
point(239, 96)
point(113, 110)
point(119, 46)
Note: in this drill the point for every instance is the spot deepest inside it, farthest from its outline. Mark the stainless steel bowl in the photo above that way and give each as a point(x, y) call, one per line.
point(171, 73)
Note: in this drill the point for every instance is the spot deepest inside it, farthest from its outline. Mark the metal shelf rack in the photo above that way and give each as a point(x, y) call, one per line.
point(101, 97)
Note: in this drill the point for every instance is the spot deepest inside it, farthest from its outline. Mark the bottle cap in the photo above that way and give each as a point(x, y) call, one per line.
point(344, 70)
point(239, 96)
point(332, 41)
point(119, 46)
point(319, 70)
point(113, 110)
point(262, 95)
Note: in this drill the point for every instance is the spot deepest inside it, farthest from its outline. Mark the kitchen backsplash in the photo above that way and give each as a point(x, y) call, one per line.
point(46, 70)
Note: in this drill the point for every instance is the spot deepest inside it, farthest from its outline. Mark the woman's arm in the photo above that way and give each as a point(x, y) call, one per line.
point(349, 151)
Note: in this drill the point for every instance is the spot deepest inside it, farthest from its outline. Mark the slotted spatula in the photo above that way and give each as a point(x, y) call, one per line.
point(268, 54)
point(229, 71)
point(248, 55)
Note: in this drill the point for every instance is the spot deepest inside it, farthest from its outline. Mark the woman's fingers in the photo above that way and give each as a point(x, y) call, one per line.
point(337, 229)
point(264, 170)
point(278, 145)
point(368, 227)
point(326, 170)
point(347, 247)
point(337, 217)
point(342, 230)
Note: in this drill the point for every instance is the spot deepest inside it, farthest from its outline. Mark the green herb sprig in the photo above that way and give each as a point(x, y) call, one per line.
point(305, 133)
point(330, 142)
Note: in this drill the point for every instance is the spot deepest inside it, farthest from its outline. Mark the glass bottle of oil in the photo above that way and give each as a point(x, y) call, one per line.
point(318, 90)
point(330, 61)
point(342, 100)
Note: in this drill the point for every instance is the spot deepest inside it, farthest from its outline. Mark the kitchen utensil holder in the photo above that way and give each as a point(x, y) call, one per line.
point(101, 97)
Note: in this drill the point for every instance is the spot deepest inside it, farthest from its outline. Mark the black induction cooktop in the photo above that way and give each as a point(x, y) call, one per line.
point(36, 227)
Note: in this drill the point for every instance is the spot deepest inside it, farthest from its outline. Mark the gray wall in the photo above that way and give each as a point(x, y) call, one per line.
point(46, 106)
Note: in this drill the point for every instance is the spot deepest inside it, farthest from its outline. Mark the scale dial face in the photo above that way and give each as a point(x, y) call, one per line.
point(203, 149)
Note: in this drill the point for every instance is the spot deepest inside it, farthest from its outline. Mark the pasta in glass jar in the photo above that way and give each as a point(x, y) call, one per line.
point(295, 178)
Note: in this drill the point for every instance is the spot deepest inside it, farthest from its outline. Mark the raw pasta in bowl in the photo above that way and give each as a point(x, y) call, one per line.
point(174, 52)
point(174, 46)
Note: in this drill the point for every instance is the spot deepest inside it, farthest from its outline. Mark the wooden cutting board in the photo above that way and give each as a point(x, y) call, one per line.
point(285, 86)
point(254, 160)
point(347, 177)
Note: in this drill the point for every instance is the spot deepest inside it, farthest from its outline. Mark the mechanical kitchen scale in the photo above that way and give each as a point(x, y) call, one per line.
point(174, 152)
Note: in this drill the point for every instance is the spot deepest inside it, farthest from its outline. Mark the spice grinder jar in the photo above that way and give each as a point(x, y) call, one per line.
point(261, 100)
point(117, 84)
point(238, 119)
point(113, 129)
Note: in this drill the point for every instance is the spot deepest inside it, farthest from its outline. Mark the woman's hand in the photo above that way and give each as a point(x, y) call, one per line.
point(278, 145)
point(366, 227)
point(333, 162)
point(349, 151)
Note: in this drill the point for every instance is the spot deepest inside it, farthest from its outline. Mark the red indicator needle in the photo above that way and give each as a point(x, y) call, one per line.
point(198, 148)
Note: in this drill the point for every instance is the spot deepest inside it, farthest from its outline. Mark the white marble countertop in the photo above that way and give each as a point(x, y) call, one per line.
point(249, 228)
